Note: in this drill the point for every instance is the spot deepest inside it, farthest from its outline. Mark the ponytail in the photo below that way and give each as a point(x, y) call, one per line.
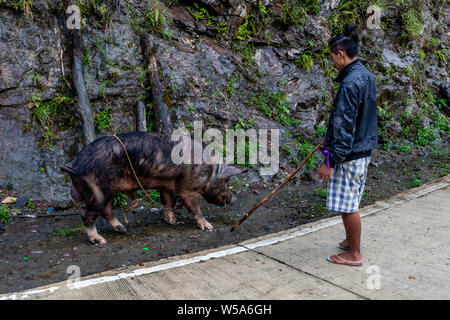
point(347, 42)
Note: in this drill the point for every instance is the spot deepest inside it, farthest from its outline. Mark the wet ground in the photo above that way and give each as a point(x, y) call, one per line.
point(38, 251)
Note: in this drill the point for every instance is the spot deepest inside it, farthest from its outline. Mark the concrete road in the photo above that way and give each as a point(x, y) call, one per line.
point(406, 255)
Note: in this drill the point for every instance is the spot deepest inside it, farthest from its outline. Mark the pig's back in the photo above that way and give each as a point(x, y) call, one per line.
point(148, 152)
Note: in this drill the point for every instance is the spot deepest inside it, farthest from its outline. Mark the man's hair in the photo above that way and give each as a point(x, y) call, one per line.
point(347, 42)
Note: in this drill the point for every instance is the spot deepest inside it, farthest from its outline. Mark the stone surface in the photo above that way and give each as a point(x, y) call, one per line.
point(392, 58)
point(21, 201)
point(197, 69)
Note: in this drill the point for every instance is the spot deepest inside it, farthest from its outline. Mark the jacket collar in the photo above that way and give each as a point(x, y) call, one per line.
point(347, 69)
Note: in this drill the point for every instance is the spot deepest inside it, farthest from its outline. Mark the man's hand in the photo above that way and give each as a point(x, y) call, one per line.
point(325, 172)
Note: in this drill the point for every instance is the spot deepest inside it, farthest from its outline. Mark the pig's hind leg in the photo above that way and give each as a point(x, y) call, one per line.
point(192, 202)
point(168, 200)
point(109, 216)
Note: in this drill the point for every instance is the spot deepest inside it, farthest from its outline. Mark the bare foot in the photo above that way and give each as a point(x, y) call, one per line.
point(350, 256)
point(344, 243)
point(346, 258)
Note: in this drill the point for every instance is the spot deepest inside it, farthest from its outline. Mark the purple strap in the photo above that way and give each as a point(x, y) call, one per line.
point(326, 153)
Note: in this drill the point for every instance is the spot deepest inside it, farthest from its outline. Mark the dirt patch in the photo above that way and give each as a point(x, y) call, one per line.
point(38, 251)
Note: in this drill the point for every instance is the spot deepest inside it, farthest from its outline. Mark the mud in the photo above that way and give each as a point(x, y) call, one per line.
point(37, 251)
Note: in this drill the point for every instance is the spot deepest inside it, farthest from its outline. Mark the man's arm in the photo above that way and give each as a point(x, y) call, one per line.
point(343, 124)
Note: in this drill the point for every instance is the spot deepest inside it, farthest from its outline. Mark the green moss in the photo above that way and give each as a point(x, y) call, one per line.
point(67, 231)
point(425, 136)
point(432, 107)
point(155, 196)
point(150, 117)
point(150, 19)
point(86, 60)
point(53, 115)
point(387, 143)
point(412, 24)
point(99, 9)
point(22, 6)
point(303, 149)
point(247, 29)
point(416, 183)
point(384, 115)
point(103, 119)
point(244, 124)
point(320, 131)
point(321, 193)
point(440, 54)
point(199, 13)
point(274, 106)
point(222, 29)
point(305, 61)
point(232, 84)
point(172, 3)
point(120, 200)
point(5, 213)
point(422, 54)
point(295, 12)
point(348, 12)
point(404, 148)
point(30, 204)
point(247, 148)
point(247, 52)
point(433, 43)
point(36, 77)
point(155, 21)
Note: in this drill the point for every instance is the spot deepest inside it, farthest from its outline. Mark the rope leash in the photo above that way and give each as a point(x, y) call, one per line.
point(137, 179)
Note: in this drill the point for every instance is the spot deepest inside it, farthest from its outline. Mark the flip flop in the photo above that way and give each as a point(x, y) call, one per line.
point(341, 260)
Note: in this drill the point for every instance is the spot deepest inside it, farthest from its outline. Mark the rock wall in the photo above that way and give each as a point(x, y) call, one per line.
point(214, 56)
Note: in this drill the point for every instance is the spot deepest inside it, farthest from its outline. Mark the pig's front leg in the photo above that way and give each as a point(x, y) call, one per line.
point(168, 200)
point(192, 202)
point(89, 218)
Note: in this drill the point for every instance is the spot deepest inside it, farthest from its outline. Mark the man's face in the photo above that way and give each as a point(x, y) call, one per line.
point(338, 59)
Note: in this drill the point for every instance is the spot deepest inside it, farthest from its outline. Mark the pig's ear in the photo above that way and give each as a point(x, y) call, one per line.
point(229, 171)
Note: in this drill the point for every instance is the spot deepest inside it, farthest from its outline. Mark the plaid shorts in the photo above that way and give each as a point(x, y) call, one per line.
point(346, 186)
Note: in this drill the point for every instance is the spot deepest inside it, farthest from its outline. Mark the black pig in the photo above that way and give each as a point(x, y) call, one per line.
point(101, 169)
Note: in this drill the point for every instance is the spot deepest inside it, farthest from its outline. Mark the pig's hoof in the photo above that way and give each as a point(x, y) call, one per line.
point(171, 219)
point(93, 236)
point(121, 229)
point(204, 224)
point(99, 240)
point(172, 222)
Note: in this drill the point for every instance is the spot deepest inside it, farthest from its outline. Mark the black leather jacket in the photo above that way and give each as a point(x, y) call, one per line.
point(352, 128)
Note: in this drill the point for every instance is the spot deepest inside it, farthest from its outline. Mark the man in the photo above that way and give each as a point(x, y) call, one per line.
point(351, 136)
